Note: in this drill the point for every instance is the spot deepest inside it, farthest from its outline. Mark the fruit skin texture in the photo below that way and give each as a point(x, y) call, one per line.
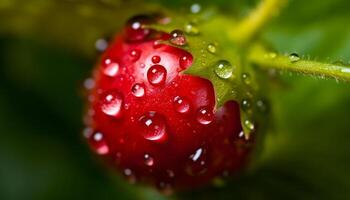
point(155, 124)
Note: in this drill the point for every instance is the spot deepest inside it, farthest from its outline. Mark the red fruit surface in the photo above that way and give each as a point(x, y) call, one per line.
point(155, 124)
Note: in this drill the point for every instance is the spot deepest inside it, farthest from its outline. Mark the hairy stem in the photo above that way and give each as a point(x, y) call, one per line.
point(292, 63)
point(249, 27)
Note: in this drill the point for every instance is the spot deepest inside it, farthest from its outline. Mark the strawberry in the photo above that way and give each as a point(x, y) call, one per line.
point(154, 123)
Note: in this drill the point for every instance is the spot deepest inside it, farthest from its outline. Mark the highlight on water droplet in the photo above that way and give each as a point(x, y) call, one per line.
point(89, 83)
point(195, 8)
point(138, 90)
point(129, 174)
point(111, 68)
point(98, 143)
point(135, 54)
point(149, 161)
point(181, 104)
point(223, 69)
point(197, 163)
point(262, 105)
point(293, 57)
point(191, 28)
point(111, 103)
point(153, 126)
point(156, 74)
point(205, 115)
point(101, 44)
point(178, 38)
point(245, 104)
point(246, 79)
point(249, 125)
point(211, 48)
point(270, 55)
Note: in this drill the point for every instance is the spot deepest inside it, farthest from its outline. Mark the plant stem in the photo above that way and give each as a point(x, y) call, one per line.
point(248, 28)
point(292, 63)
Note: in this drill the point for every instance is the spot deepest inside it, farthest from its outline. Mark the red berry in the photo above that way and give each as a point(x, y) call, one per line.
point(156, 124)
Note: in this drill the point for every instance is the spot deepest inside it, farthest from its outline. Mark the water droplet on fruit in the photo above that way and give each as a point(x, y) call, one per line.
point(98, 143)
point(184, 62)
point(156, 74)
point(101, 44)
point(195, 8)
point(135, 28)
point(156, 59)
point(135, 54)
point(138, 90)
point(246, 78)
point(223, 69)
point(293, 57)
point(177, 38)
point(249, 125)
point(154, 126)
point(197, 164)
point(111, 68)
point(205, 115)
point(191, 28)
point(148, 160)
point(181, 104)
point(211, 48)
point(111, 103)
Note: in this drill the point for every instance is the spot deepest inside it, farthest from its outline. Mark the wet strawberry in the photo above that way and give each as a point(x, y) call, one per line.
point(156, 124)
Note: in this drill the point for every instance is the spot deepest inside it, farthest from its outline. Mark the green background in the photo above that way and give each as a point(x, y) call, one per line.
point(47, 50)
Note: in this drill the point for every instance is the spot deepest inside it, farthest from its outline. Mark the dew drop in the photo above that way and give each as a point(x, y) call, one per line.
point(153, 126)
point(211, 48)
point(111, 68)
point(245, 104)
point(98, 143)
point(87, 132)
point(101, 44)
point(271, 55)
point(195, 8)
point(148, 160)
point(138, 90)
point(249, 125)
point(191, 28)
point(293, 57)
point(89, 84)
point(111, 103)
point(178, 38)
point(205, 115)
point(156, 59)
point(246, 78)
point(197, 164)
point(156, 74)
point(135, 54)
point(127, 172)
point(262, 106)
point(181, 104)
point(223, 69)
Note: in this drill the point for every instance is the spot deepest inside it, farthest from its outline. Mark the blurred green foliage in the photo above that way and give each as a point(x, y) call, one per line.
point(46, 53)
